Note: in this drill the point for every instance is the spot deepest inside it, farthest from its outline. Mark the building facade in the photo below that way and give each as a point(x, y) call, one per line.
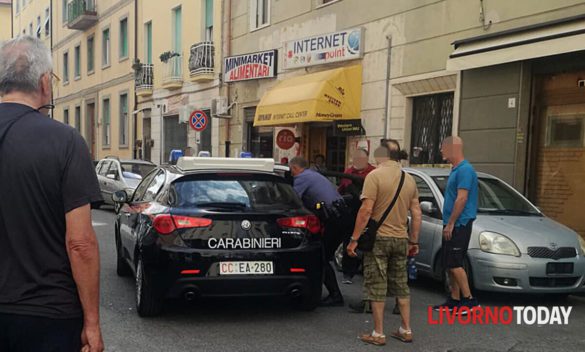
point(93, 49)
point(177, 76)
point(5, 19)
point(507, 77)
point(31, 18)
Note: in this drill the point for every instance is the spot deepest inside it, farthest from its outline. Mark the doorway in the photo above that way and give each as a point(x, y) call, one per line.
point(175, 135)
point(147, 138)
point(90, 129)
point(323, 142)
point(559, 148)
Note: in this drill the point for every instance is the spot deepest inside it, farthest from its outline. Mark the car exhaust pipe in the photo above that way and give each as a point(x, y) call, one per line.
point(190, 295)
point(295, 292)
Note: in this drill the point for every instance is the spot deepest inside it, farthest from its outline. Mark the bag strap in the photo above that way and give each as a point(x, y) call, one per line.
point(387, 212)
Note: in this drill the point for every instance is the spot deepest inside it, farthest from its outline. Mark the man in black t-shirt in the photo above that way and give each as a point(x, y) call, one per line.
point(49, 259)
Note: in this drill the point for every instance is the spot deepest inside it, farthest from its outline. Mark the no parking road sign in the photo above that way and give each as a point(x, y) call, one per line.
point(198, 120)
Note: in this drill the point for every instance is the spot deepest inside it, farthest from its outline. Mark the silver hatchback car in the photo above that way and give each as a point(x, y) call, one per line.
point(115, 175)
point(513, 247)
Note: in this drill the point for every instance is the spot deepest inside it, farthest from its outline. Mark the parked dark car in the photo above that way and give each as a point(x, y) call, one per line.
point(217, 227)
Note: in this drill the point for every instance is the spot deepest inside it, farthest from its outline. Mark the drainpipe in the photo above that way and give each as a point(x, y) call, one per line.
point(51, 49)
point(386, 98)
point(12, 19)
point(226, 51)
point(135, 116)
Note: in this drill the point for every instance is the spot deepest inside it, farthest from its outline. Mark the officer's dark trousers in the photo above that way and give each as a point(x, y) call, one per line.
point(20, 333)
point(334, 235)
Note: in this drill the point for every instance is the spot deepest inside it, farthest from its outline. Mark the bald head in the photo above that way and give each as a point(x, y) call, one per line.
point(452, 149)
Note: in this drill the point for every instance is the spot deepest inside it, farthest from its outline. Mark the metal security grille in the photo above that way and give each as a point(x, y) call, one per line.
point(432, 121)
point(175, 135)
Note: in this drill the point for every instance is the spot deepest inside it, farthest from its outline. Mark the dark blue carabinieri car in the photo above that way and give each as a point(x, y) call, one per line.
point(217, 227)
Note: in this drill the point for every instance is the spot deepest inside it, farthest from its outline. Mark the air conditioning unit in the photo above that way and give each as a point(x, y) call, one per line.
point(185, 112)
point(219, 107)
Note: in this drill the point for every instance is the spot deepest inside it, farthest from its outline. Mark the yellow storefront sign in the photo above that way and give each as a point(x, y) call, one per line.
point(322, 96)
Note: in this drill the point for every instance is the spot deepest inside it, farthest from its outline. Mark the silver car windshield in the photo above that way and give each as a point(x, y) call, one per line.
point(496, 198)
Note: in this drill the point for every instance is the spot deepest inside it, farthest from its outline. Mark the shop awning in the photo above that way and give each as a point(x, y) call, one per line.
point(323, 96)
point(544, 39)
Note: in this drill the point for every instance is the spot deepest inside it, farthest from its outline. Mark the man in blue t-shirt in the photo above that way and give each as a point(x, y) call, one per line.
point(459, 212)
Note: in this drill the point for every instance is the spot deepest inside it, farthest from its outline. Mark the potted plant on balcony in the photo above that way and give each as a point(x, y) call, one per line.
point(167, 55)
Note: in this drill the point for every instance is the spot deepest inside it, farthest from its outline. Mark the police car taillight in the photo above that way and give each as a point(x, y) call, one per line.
point(310, 222)
point(165, 224)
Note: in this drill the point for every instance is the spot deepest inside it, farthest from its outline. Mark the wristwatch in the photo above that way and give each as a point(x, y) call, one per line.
point(351, 239)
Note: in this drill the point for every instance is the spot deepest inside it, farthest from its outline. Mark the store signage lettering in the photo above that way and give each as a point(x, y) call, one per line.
point(349, 128)
point(325, 48)
point(250, 66)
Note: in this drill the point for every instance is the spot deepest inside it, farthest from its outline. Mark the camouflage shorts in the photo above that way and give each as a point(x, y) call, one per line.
point(385, 270)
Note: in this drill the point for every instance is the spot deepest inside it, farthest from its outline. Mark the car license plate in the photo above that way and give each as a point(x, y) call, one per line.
point(246, 268)
point(559, 268)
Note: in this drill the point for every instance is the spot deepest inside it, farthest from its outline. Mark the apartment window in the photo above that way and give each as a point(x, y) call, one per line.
point(66, 67)
point(148, 42)
point(432, 121)
point(30, 29)
point(38, 27)
point(64, 10)
point(106, 126)
point(106, 47)
point(124, 38)
point(259, 13)
point(78, 118)
point(90, 54)
point(77, 60)
point(66, 116)
point(177, 29)
point(17, 7)
point(123, 120)
point(47, 23)
point(209, 20)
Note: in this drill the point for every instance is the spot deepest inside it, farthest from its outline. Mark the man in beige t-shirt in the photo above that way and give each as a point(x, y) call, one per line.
point(385, 267)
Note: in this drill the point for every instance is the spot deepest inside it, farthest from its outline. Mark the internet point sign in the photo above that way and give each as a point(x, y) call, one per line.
point(250, 66)
point(324, 48)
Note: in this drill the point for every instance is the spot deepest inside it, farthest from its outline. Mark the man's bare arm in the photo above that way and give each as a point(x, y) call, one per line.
point(363, 216)
point(83, 251)
point(416, 215)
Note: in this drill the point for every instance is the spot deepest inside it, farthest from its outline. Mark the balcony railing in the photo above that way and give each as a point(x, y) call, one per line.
point(201, 61)
point(81, 14)
point(143, 79)
point(173, 73)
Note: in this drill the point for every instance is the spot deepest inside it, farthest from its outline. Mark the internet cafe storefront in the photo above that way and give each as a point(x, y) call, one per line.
point(313, 114)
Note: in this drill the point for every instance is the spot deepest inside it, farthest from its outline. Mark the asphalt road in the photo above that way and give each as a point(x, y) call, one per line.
point(271, 325)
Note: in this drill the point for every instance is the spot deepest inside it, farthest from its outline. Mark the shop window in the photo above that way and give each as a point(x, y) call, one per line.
point(566, 131)
point(260, 140)
point(432, 121)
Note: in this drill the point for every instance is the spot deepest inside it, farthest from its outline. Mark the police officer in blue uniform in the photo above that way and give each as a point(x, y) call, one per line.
point(316, 191)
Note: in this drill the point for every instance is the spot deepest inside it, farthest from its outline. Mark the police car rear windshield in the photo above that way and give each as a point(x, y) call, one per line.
point(247, 193)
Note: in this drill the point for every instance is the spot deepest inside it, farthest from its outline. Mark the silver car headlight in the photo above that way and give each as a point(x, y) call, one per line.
point(492, 242)
point(582, 243)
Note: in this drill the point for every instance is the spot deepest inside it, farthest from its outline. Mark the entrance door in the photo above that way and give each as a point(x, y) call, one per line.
point(175, 135)
point(90, 128)
point(147, 138)
point(336, 147)
point(559, 189)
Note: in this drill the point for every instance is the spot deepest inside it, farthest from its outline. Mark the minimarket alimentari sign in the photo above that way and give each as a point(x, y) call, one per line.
point(256, 65)
point(324, 48)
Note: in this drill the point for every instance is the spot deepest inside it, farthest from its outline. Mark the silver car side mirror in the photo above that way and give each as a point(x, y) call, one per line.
point(428, 208)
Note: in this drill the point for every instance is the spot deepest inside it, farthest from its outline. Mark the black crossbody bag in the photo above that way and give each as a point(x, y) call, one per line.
point(368, 237)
